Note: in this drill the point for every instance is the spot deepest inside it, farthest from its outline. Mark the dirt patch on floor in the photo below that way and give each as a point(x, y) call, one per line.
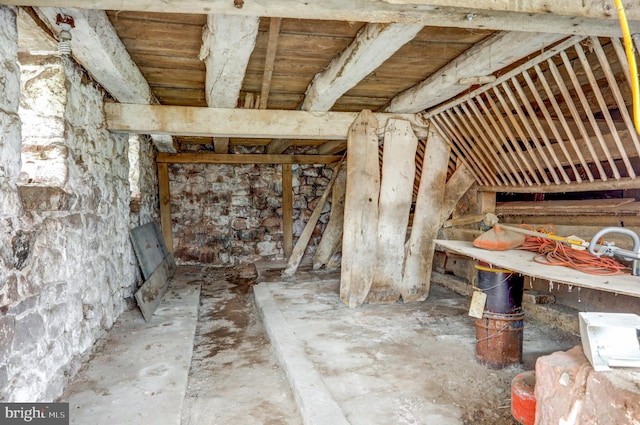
point(234, 377)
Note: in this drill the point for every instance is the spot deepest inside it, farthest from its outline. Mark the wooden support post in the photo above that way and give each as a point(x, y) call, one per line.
point(416, 279)
point(361, 210)
point(165, 204)
point(396, 191)
point(303, 240)
point(487, 202)
point(287, 210)
point(332, 235)
point(221, 145)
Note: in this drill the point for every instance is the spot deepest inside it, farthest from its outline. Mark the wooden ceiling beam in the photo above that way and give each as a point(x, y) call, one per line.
point(595, 17)
point(372, 46)
point(214, 158)
point(490, 55)
point(216, 122)
point(227, 44)
point(97, 47)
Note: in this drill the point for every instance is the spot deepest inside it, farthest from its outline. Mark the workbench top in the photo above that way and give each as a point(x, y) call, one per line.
point(522, 262)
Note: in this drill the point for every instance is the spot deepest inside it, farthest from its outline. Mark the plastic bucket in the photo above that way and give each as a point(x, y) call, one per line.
point(523, 398)
point(499, 339)
point(503, 288)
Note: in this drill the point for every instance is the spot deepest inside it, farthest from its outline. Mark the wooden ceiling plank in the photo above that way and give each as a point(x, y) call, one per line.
point(269, 63)
point(490, 55)
point(373, 45)
point(98, 49)
point(595, 17)
point(219, 122)
point(227, 43)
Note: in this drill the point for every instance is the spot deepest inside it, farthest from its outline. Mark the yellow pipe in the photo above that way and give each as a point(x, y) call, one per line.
point(631, 58)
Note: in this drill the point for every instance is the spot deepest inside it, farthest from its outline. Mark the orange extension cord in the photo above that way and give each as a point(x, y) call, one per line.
point(554, 253)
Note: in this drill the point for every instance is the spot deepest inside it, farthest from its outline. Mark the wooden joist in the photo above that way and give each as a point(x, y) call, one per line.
point(97, 47)
point(227, 44)
point(217, 122)
point(214, 158)
point(596, 18)
point(373, 45)
point(484, 58)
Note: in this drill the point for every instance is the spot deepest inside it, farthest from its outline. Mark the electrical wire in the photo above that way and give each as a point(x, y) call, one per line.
point(555, 253)
point(631, 58)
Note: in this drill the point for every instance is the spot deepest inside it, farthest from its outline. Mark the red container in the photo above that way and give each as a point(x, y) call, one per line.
point(499, 339)
point(523, 399)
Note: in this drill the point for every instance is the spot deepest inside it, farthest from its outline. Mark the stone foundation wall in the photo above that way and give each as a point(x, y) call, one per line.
point(232, 214)
point(66, 264)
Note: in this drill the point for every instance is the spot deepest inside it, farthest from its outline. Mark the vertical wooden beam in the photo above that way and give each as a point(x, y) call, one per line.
point(287, 210)
point(165, 204)
point(486, 202)
point(416, 279)
point(221, 144)
point(332, 235)
point(396, 191)
point(359, 239)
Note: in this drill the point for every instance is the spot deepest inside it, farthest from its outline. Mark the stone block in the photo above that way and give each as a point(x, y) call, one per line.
point(311, 172)
point(535, 297)
point(7, 332)
point(267, 248)
point(45, 198)
point(240, 223)
point(612, 397)
point(561, 380)
point(271, 222)
point(569, 391)
point(29, 331)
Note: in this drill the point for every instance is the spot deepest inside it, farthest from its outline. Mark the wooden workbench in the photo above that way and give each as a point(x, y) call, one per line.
point(522, 262)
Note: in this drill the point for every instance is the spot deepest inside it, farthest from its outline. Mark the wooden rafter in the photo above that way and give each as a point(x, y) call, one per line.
point(98, 49)
point(596, 18)
point(373, 45)
point(227, 43)
point(491, 55)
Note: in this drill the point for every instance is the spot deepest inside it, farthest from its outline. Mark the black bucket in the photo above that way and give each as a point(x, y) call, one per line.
point(503, 288)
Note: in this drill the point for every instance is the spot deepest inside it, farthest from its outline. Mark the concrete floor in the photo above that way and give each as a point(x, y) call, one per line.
point(325, 363)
